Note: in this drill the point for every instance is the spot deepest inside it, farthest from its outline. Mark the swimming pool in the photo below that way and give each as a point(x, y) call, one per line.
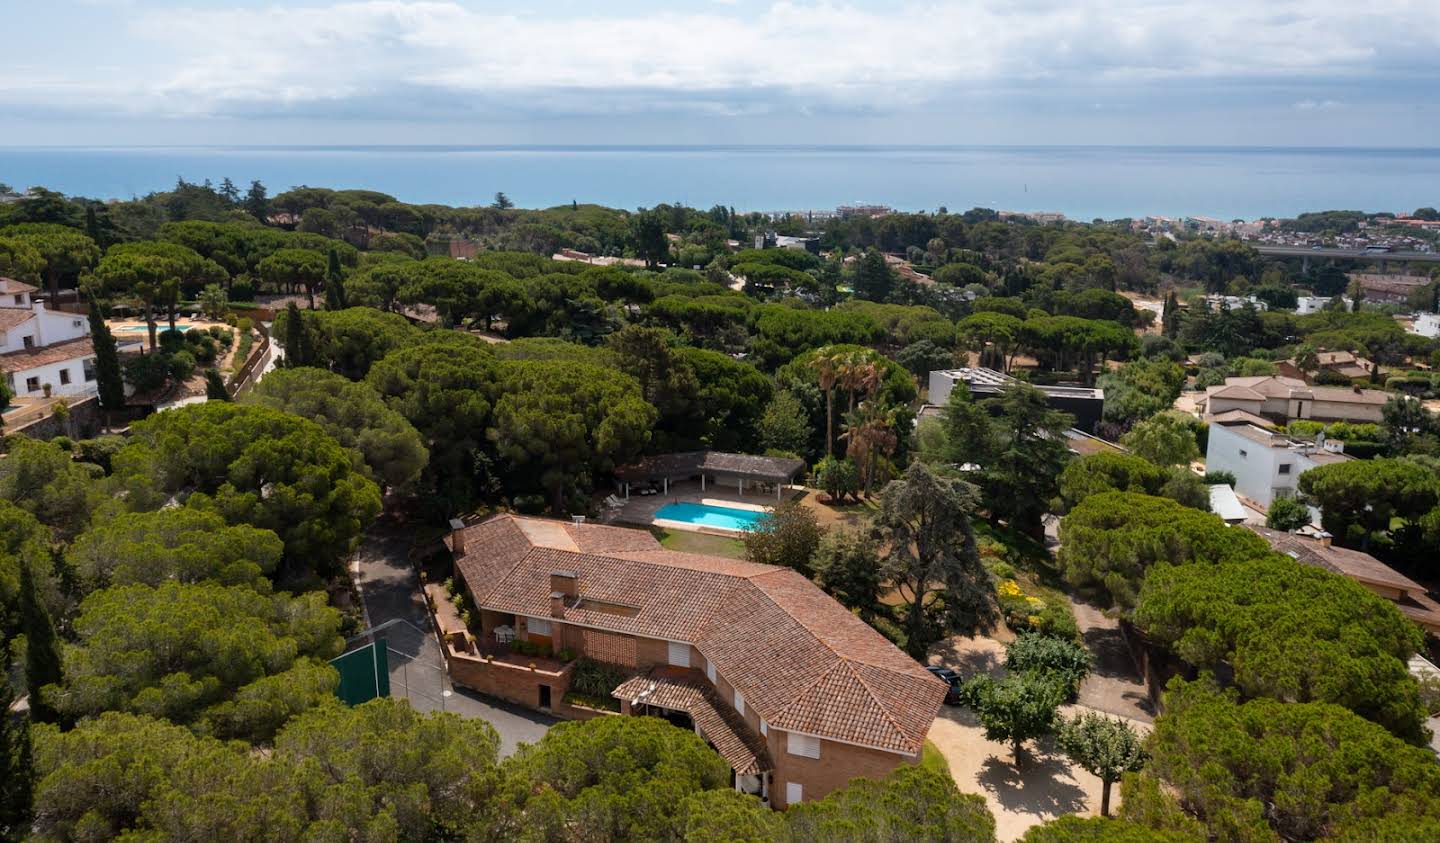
point(709, 515)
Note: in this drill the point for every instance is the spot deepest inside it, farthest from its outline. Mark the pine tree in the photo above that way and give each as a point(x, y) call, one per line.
point(107, 362)
point(16, 775)
point(215, 386)
point(334, 283)
point(42, 649)
point(257, 204)
point(229, 192)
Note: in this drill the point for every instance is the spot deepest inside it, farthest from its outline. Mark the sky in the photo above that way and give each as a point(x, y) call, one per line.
point(1225, 72)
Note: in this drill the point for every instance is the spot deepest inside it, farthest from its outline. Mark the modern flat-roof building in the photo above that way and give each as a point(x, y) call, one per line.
point(1266, 464)
point(1408, 596)
point(1086, 404)
point(792, 689)
point(1283, 399)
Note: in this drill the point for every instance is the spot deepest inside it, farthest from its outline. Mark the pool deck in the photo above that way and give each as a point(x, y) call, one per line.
point(641, 510)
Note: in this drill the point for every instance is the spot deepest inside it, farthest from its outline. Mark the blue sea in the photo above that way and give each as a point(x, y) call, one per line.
point(1083, 182)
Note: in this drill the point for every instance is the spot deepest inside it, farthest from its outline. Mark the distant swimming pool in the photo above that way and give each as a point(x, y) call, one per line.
point(709, 515)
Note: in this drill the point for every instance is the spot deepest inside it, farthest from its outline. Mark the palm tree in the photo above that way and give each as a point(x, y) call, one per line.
point(870, 432)
point(826, 364)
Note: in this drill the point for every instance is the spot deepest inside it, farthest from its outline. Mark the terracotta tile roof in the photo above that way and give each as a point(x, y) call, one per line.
point(1414, 603)
point(1276, 386)
point(803, 661)
point(10, 285)
point(685, 691)
point(1240, 416)
point(13, 316)
point(1352, 563)
point(31, 358)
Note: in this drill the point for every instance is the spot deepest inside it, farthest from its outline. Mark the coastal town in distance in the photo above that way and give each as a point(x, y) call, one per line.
point(758, 421)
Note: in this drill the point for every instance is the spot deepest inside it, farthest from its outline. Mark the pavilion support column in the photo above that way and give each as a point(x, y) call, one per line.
point(741, 482)
point(702, 481)
point(627, 490)
point(665, 482)
point(778, 487)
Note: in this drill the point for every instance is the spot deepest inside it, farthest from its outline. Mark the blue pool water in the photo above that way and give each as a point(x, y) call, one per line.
point(706, 515)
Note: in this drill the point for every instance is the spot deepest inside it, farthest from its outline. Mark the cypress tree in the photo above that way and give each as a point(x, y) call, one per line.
point(334, 283)
point(215, 386)
point(16, 774)
point(42, 649)
point(107, 362)
point(296, 342)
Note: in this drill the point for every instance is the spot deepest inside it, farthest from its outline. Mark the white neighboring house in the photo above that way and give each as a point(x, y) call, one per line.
point(1310, 304)
point(1266, 464)
point(1426, 325)
point(39, 347)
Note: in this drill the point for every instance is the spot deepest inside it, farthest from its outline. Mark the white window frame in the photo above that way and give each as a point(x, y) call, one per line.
point(739, 701)
point(710, 671)
point(794, 793)
point(679, 654)
point(536, 626)
point(804, 746)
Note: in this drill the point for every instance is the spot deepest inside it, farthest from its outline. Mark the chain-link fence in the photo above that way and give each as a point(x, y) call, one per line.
point(417, 670)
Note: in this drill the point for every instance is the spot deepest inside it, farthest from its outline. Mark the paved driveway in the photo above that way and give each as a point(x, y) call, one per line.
point(390, 589)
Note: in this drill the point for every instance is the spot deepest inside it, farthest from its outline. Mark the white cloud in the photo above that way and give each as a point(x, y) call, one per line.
point(412, 56)
point(1316, 105)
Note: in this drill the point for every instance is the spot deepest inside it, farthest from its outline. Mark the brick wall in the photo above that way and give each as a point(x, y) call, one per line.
point(519, 685)
point(837, 765)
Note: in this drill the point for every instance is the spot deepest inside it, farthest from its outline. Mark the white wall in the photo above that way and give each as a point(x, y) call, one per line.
point(941, 385)
point(51, 374)
point(1255, 472)
point(44, 328)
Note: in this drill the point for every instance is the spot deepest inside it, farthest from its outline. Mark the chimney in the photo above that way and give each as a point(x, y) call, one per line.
point(557, 604)
point(1325, 538)
point(457, 537)
point(564, 582)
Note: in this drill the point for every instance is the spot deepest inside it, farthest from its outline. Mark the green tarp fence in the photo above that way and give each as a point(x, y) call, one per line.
point(364, 674)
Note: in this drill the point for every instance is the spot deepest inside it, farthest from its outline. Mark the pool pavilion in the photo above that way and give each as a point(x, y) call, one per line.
point(716, 467)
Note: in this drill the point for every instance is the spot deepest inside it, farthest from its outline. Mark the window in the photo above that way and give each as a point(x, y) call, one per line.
point(537, 627)
point(75, 323)
point(794, 793)
point(1284, 468)
point(32, 384)
point(710, 671)
point(19, 298)
point(1243, 455)
point(29, 342)
point(679, 654)
point(803, 745)
point(764, 727)
point(739, 701)
point(64, 377)
point(88, 364)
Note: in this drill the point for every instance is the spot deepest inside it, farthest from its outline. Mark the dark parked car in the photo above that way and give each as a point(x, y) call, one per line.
point(951, 678)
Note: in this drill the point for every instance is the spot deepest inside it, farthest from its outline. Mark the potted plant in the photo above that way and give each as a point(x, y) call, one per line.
point(48, 389)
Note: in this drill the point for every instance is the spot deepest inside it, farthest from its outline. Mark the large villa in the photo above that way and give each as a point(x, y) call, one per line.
point(793, 690)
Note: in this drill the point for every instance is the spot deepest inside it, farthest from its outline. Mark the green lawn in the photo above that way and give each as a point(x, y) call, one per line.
point(688, 542)
point(933, 759)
